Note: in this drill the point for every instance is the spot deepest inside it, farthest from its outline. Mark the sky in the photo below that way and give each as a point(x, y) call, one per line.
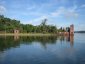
point(58, 12)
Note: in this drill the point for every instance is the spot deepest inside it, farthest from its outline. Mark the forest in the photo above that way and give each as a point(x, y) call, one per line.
point(9, 25)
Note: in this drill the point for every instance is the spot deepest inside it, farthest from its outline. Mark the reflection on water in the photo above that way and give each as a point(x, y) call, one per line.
point(42, 49)
point(14, 41)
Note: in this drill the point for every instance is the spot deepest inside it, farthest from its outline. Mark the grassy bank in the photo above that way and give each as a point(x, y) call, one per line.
point(28, 34)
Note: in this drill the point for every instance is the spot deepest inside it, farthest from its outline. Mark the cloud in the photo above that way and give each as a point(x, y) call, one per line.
point(58, 12)
point(67, 12)
point(31, 8)
point(61, 11)
point(38, 20)
point(2, 9)
point(64, 1)
point(81, 27)
point(2, 2)
point(83, 6)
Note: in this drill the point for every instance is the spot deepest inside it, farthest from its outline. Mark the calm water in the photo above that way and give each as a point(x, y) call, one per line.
point(43, 50)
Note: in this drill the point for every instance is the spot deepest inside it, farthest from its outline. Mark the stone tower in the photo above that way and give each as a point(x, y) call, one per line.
point(72, 29)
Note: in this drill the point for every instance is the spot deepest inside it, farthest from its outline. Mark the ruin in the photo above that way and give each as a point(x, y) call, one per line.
point(68, 31)
point(71, 29)
point(16, 32)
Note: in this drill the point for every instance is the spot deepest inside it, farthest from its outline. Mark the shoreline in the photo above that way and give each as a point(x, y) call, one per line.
point(28, 34)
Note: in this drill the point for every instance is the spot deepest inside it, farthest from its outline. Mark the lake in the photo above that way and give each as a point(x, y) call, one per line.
point(42, 49)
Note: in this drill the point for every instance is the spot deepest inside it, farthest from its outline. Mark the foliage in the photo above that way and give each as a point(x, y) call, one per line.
point(8, 25)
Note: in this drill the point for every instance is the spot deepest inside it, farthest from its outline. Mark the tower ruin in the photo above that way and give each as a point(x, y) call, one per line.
point(72, 29)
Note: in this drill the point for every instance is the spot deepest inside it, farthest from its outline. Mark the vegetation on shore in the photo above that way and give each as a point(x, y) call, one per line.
point(8, 25)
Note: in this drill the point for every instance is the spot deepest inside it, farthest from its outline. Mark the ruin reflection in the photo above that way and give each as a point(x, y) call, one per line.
point(16, 37)
point(46, 39)
point(70, 38)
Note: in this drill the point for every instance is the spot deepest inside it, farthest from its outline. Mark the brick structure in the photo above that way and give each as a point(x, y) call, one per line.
point(68, 31)
point(16, 32)
point(71, 29)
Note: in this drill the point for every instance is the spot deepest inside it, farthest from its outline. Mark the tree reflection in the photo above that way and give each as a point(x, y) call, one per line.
point(15, 41)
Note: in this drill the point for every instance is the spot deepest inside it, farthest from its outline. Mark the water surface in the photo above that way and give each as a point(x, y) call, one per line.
point(42, 49)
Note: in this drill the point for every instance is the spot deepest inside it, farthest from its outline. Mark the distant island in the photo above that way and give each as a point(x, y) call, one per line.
point(79, 32)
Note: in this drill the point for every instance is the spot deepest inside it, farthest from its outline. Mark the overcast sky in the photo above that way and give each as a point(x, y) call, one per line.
point(58, 12)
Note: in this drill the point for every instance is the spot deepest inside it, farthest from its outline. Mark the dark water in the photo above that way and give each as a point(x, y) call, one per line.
point(42, 49)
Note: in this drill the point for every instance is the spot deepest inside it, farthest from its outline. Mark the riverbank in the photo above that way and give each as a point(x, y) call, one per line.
point(28, 34)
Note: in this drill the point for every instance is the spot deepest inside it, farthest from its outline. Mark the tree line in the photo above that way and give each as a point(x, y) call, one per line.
point(9, 25)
